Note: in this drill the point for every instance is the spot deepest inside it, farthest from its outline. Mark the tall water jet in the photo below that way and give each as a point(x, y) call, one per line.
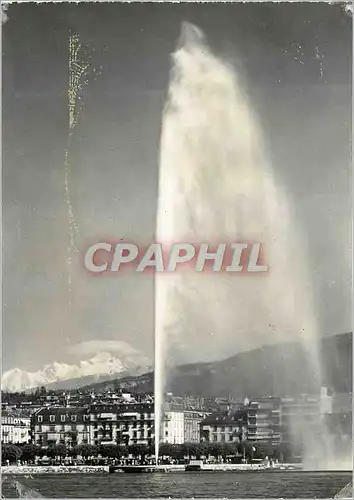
point(216, 185)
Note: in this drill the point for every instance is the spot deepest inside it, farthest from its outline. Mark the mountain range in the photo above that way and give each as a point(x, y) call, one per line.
point(102, 366)
point(281, 369)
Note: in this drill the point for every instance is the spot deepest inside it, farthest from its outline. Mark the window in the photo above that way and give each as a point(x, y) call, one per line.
point(52, 418)
point(62, 418)
point(73, 418)
point(40, 418)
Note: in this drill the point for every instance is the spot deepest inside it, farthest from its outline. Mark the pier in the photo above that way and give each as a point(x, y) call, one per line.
point(346, 492)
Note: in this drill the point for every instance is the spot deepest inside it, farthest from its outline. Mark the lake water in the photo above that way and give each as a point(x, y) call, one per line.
point(179, 485)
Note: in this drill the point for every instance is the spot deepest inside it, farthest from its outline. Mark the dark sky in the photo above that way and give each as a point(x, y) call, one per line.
point(296, 61)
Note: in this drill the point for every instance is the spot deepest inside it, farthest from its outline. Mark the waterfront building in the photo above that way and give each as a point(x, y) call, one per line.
point(305, 412)
point(173, 427)
point(60, 425)
point(123, 424)
point(192, 420)
point(339, 421)
point(224, 427)
point(263, 420)
point(15, 429)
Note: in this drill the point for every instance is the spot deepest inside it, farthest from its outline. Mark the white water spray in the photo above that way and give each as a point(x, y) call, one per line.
point(216, 185)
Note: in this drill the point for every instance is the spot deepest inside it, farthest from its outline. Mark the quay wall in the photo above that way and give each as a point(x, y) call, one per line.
point(99, 469)
point(54, 469)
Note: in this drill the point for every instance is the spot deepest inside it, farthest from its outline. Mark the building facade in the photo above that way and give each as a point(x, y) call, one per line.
point(60, 425)
point(15, 429)
point(263, 421)
point(192, 421)
point(124, 424)
point(173, 427)
point(224, 427)
point(302, 417)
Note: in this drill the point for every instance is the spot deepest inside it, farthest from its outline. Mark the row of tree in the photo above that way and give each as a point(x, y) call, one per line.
point(28, 452)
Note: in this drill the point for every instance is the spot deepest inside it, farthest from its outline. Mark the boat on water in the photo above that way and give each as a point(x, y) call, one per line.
point(194, 466)
point(136, 469)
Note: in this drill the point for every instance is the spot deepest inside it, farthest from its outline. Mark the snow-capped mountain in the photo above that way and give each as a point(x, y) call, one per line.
point(100, 365)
